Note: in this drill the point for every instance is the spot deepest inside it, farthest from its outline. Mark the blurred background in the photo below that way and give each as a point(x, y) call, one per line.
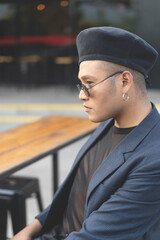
point(38, 65)
point(37, 37)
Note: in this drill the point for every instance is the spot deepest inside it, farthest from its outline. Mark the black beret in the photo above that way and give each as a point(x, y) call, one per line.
point(118, 46)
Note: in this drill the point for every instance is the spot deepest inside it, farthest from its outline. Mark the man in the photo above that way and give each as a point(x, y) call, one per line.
point(113, 189)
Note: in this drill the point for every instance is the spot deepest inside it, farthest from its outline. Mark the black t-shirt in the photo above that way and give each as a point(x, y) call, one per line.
point(74, 213)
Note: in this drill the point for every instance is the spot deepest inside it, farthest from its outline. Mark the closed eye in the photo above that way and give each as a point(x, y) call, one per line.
point(89, 83)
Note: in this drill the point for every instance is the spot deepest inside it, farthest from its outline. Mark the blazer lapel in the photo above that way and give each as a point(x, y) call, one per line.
point(116, 158)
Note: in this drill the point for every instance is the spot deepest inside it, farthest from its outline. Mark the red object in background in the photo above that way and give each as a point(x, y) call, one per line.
point(49, 40)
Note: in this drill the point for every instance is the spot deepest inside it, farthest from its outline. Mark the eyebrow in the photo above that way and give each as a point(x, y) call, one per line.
point(86, 77)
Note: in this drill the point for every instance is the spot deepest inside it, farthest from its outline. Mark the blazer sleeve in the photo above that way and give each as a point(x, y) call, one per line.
point(43, 215)
point(130, 212)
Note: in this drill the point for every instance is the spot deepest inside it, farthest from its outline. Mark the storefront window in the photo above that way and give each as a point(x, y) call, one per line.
point(7, 19)
point(118, 13)
point(37, 37)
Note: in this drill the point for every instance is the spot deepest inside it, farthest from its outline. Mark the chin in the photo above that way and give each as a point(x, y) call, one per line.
point(98, 119)
point(95, 120)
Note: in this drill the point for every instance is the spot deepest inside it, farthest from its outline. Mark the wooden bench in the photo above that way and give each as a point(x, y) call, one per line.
point(29, 143)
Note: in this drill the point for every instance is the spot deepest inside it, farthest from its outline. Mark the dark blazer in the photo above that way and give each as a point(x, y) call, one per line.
point(123, 198)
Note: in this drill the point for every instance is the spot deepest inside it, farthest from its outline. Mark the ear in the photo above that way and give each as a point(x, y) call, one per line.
point(126, 81)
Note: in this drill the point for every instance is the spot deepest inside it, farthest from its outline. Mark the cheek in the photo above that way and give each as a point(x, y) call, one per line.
point(99, 99)
point(108, 103)
point(107, 95)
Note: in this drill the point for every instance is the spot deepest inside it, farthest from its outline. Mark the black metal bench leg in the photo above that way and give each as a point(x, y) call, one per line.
point(3, 220)
point(55, 172)
point(18, 213)
point(39, 199)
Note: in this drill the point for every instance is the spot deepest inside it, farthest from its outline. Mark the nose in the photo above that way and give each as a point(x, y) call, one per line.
point(82, 96)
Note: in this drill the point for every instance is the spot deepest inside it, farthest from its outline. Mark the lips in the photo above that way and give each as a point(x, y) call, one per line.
point(87, 109)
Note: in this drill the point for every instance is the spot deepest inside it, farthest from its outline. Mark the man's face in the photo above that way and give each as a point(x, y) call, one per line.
point(104, 100)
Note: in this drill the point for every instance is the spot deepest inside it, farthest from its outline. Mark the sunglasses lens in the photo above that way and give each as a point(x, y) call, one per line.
point(79, 87)
point(86, 92)
point(83, 88)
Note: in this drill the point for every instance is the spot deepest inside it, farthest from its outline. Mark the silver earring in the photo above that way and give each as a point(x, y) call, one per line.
point(125, 97)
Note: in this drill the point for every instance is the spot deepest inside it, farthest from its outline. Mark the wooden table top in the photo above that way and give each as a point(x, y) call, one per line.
point(21, 146)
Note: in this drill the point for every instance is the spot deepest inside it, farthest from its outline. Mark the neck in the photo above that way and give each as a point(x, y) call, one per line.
point(133, 113)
